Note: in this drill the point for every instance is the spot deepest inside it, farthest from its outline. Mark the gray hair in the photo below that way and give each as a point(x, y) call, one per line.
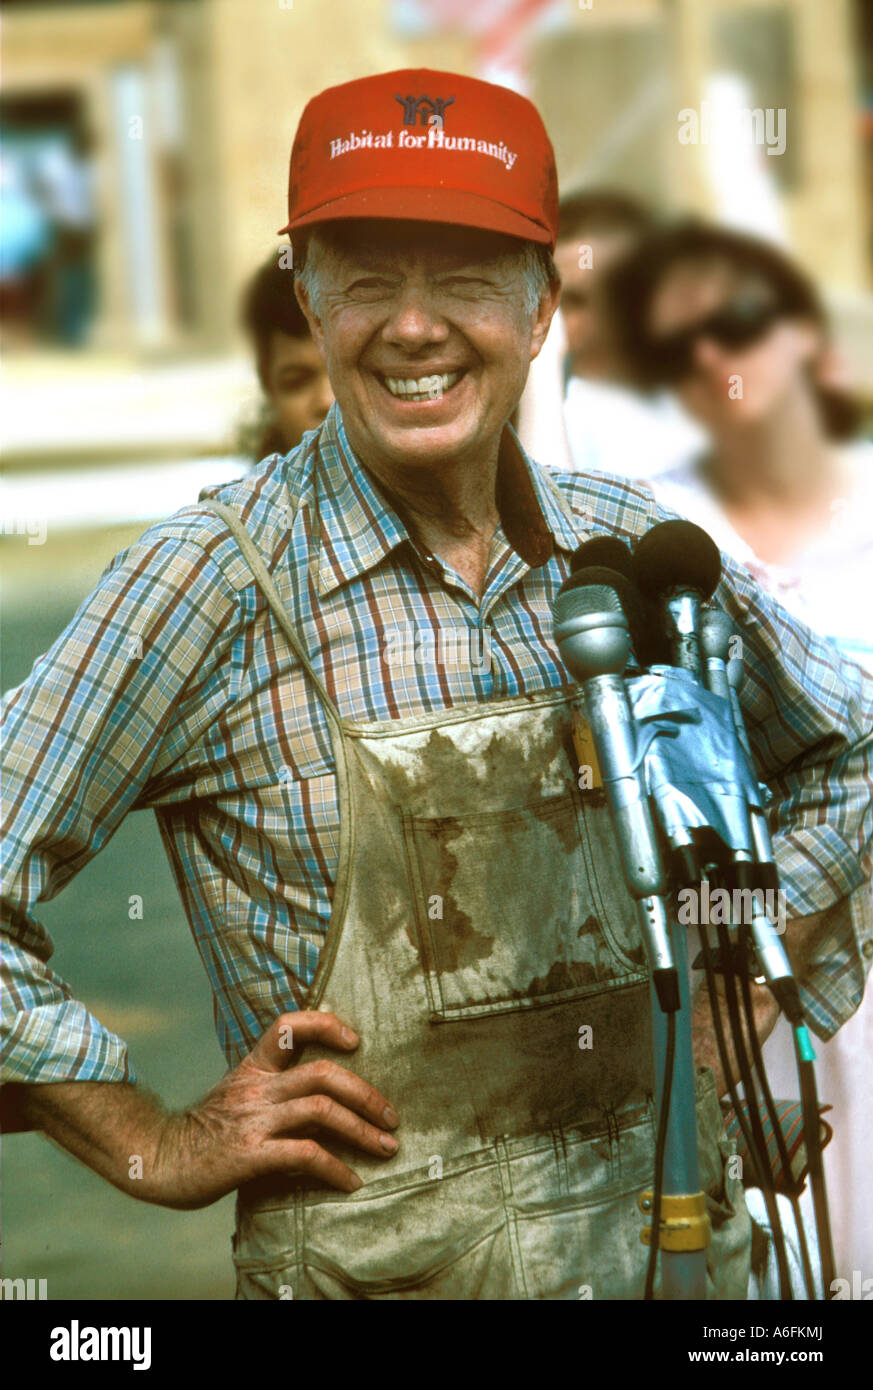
point(533, 262)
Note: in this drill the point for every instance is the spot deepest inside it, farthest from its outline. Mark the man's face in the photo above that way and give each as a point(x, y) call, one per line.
point(427, 340)
point(297, 385)
point(581, 262)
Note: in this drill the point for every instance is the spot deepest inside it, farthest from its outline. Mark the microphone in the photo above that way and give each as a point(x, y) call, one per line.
point(593, 636)
point(723, 669)
point(606, 551)
point(723, 673)
point(679, 566)
point(643, 621)
point(716, 632)
point(735, 670)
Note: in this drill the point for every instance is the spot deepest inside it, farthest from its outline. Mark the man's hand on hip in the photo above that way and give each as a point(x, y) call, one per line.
point(272, 1114)
point(269, 1115)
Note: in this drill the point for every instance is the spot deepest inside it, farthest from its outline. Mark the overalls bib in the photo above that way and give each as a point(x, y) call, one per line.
point(484, 946)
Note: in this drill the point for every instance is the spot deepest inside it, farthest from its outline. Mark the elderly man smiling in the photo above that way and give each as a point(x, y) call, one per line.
point(394, 860)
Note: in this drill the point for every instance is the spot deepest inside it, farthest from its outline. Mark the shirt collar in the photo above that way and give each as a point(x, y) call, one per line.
point(357, 526)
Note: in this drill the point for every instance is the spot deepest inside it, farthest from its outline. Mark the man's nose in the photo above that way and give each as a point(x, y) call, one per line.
point(415, 319)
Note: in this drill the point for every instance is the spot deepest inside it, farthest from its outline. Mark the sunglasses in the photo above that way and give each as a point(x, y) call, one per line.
point(737, 324)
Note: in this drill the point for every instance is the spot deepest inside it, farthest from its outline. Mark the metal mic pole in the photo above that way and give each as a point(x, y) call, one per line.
point(592, 634)
point(685, 1222)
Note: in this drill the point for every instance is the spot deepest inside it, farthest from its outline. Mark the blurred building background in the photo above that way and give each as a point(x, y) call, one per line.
point(144, 152)
point(145, 147)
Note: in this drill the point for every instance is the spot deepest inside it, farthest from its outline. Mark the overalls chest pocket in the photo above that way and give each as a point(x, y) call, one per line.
point(522, 907)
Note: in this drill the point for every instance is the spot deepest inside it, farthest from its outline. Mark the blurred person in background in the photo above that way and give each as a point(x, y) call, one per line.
point(25, 245)
point(786, 488)
point(741, 335)
point(66, 179)
point(579, 411)
point(297, 393)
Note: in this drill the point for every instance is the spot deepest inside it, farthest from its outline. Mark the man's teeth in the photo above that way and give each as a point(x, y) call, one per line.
point(422, 388)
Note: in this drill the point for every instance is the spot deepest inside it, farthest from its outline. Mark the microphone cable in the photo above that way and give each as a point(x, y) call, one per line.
point(765, 1173)
point(793, 1187)
point(753, 1138)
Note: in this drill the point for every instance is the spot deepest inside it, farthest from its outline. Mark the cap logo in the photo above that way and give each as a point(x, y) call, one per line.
point(426, 108)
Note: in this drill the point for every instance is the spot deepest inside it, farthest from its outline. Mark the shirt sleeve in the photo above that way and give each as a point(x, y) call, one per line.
point(80, 738)
point(809, 716)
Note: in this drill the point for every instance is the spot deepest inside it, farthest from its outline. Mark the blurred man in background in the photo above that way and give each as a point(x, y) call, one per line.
point(291, 372)
point(579, 410)
point(597, 228)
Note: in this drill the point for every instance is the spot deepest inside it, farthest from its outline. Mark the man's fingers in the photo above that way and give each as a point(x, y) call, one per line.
point(331, 1116)
point(307, 1156)
point(281, 1043)
point(332, 1079)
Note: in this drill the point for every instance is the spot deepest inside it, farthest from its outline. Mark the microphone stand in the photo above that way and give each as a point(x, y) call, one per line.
point(710, 809)
point(676, 1203)
point(595, 644)
point(684, 1222)
point(727, 800)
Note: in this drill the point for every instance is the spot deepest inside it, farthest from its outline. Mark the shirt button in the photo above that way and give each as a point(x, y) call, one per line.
point(867, 949)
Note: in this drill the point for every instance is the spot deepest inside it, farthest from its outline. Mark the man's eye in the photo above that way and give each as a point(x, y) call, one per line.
point(373, 282)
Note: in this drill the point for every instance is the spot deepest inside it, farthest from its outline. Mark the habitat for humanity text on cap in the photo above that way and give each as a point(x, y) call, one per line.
point(425, 146)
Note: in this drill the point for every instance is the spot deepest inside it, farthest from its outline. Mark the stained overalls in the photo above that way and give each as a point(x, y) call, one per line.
point(484, 946)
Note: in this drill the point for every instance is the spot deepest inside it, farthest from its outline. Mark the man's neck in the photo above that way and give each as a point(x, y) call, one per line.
point(451, 512)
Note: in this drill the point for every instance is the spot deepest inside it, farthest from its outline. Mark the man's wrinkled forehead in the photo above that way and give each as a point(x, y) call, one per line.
point(370, 245)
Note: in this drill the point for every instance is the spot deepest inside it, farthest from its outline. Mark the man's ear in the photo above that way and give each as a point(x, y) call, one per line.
point(545, 312)
point(311, 317)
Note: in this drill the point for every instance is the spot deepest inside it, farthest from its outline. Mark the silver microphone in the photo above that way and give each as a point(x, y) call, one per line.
point(593, 637)
point(723, 674)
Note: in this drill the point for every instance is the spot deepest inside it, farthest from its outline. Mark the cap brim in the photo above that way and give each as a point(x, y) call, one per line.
point(426, 205)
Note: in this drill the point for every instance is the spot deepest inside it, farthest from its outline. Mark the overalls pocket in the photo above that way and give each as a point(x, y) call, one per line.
point(509, 912)
point(423, 1237)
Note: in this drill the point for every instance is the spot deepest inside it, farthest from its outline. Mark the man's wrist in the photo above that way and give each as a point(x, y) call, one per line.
point(115, 1128)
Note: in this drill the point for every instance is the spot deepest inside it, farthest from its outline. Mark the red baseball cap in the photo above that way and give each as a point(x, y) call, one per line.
point(426, 146)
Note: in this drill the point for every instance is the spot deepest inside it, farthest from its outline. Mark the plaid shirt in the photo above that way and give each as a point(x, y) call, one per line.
point(173, 688)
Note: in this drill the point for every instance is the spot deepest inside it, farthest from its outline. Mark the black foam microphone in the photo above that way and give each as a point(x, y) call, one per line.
point(678, 565)
point(606, 551)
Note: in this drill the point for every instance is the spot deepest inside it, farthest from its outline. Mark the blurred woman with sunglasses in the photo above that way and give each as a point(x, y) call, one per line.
point(740, 334)
point(786, 487)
